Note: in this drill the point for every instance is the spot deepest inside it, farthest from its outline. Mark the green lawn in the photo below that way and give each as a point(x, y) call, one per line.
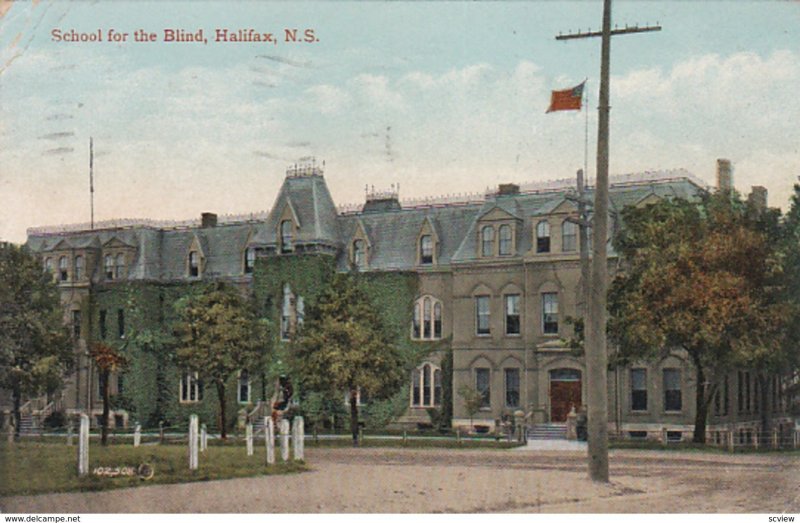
point(35, 467)
point(420, 442)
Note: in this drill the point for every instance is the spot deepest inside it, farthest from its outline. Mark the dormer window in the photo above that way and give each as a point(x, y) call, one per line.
point(287, 233)
point(487, 241)
point(108, 266)
point(63, 269)
point(359, 254)
point(194, 264)
point(505, 240)
point(543, 236)
point(249, 260)
point(119, 268)
point(80, 265)
point(569, 235)
point(426, 249)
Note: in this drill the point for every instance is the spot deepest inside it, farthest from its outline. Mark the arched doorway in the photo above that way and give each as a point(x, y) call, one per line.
point(565, 393)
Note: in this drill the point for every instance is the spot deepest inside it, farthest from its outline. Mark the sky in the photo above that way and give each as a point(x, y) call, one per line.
point(438, 97)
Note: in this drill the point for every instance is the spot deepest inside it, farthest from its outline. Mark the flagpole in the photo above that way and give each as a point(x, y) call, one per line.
point(586, 134)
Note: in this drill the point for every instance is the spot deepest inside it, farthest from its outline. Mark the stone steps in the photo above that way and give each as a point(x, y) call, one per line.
point(546, 431)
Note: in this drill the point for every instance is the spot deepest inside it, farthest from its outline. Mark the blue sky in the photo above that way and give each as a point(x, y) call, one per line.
point(184, 128)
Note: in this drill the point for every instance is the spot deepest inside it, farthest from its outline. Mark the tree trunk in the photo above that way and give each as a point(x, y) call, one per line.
point(17, 394)
point(104, 423)
point(354, 416)
point(702, 400)
point(223, 434)
point(765, 409)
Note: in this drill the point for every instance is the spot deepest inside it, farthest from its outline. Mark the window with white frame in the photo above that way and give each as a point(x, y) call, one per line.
point(426, 249)
point(48, 265)
point(487, 241)
point(512, 304)
point(191, 388)
point(511, 376)
point(108, 266)
point(249, 260)
point(672, 390)
point(550, 313)
point(482, 385)
point(63, 269)
point(427, 319)
point(639, 390)
point(569, 236)
point(119, 267)
point(80, 266)
point(286, 312)
point(359, 254)
point(361, 398)
point(194, 264)
point(287, 236)
point(243, 390)
point(505, 240)
point(543, 236)
point(482, 316)
point(426, 386)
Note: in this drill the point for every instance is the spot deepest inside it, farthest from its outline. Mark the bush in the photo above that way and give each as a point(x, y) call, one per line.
point(56, 420)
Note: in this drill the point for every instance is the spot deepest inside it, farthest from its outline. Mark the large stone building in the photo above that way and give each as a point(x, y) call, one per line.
point(492, 278)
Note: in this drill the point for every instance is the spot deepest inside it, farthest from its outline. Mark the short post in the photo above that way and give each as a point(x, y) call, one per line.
point(405, 436)
point(10, 433)
point(160, 432)
point(70, 434)
point(193, 433)
point(775, 438)
point(458, 435)
point(269, 439)
point(754, 437)
point(794, 443)
point(730, 441)
point(248, 435)
point(298, 437)
point(203, 437)
point(284, 429)
point(137, 435)
point(664, 439)
point(83, 446)
point(360, 435)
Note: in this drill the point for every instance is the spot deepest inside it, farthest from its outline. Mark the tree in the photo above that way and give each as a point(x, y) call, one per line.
point(345, 346)
point(701, 277)
point(108, 360)
point(217, 335)
point(473, 400)
point(35, 347)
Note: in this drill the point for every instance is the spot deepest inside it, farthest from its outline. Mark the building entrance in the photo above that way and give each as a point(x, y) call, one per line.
point(565, 393)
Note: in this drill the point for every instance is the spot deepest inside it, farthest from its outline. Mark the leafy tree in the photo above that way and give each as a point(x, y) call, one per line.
point(108, 360)
point(35, 347)
point(702, 277)
point(218, 334)
point(473, 400)
point(345, 346)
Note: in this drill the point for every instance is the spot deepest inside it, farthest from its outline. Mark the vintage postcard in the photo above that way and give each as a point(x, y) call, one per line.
point(399, 257)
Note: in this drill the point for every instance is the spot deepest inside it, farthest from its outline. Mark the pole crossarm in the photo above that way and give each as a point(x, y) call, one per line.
point(614, 32)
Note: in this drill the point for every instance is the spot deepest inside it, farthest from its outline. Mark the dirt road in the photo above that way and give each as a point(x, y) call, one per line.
point(437, 480)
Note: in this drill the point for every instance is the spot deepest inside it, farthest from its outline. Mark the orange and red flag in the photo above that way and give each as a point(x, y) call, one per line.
point(567, 99)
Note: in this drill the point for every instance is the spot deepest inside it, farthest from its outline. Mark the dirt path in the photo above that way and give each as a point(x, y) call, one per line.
point(435, 480)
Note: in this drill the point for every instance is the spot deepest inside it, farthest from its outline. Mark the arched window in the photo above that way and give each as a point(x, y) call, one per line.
point(359, 254)
point(63, 269)
point(194, 264)
point(108, 266)
point(119, 269)
point(427, 322)
point(249, 260)
point(426, 386)
point(505, 240)
point(79, 267)
point(487, 241)
point(425, 249)
point(543, 236)
point(48, 265)
point(569, 236)
point(286, 236)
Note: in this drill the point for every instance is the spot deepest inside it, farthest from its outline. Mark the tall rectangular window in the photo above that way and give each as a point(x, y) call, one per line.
point(725, 395)
point(76, 324)
point(638, 389)
point(482, 386)
point(512, 387)
point(512, 314)
point(550, 313)
point(244, 387)
point(569, 236)
point(740, 391)
point(120, 323)
point(672, 390)
point(191, 388)
point(747, 391)
point(482, 315)
point(103, 325)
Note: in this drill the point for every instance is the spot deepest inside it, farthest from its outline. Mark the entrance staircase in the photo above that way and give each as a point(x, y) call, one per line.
point(545, 431)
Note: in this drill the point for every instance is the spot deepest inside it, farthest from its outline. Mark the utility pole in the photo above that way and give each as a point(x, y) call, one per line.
point(596, 356)
point(91, 183)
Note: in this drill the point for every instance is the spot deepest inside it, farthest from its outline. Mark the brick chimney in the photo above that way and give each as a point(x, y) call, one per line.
point(507, 189)
point(758, 197)
point(724, 175)
point(208, 219)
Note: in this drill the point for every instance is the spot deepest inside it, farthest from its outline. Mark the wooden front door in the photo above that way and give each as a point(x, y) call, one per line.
point(565, 393)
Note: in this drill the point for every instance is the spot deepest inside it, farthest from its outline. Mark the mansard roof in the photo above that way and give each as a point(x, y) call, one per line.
point(311, 203)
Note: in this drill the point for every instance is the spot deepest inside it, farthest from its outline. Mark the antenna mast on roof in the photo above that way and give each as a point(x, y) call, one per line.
point(91, 183)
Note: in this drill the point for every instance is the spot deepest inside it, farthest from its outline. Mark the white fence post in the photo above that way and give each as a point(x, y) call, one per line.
point(298, 438)
point(193, 442)
point(137, 435)
point(269, 439)
point(70, 433)
point(249, 438)
point(730, 440)
point(203, 438)
point(83, 446)
point(284, 429)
